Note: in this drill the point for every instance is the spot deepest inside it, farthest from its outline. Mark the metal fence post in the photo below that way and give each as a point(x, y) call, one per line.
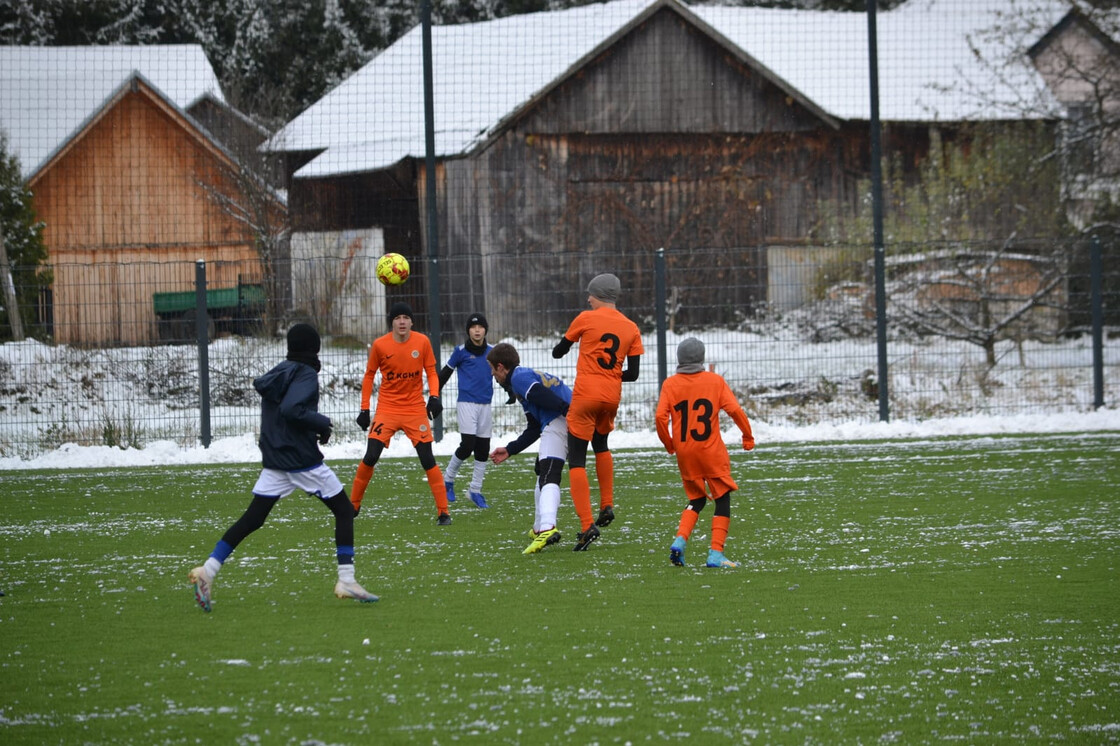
point(661, 314)
point(430, 196)
point(202, 337)
point(877, 216)
point(1096, 301)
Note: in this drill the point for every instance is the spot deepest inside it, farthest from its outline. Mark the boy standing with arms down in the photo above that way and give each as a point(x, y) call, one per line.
point(545, 398)
point(476, 421)
point(607, 338)
point(404, 359)
point(688, 425)
point(291, 431)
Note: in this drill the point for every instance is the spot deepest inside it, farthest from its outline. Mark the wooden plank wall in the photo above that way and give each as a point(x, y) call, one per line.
point(123, 207)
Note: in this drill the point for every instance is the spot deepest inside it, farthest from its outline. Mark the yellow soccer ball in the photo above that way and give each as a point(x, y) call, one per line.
point(392, 269)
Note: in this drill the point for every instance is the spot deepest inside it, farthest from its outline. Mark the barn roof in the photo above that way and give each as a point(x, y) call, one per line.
point(939, 60)
point(48, 94)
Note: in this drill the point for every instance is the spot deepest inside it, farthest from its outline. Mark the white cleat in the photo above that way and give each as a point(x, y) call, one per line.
point(202, 581)
point(354, 591)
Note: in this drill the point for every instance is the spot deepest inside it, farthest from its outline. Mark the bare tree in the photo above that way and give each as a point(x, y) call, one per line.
point(980, 296)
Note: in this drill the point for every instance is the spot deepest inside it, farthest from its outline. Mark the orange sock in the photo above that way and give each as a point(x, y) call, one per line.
point(688, 522)
point(720, 524)
point(581, 496)
point(435, 484)
point(361, 481)
point(604, 472)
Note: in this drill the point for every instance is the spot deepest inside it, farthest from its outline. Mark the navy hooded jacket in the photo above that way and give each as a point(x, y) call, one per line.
point(290, 419)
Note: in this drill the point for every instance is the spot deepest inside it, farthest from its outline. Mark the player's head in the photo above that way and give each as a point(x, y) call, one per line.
point(398, 309)
point(477, 327)
point(505, 355)
point(304, 344)
point(690, 356)
point(604, 288)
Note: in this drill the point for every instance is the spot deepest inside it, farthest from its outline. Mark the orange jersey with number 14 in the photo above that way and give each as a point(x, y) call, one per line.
point(403, 366)
point(688, 422)
point(606, 338)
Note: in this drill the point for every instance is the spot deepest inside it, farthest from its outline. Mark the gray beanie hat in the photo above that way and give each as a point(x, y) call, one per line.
point(690, 356)
point(605, 287)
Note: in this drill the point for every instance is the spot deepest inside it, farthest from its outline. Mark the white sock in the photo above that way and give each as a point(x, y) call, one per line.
point(476, 477)
point(549, 505)
point(452, 468)
point(537, 506)
point(212, 566)
point(346, 573)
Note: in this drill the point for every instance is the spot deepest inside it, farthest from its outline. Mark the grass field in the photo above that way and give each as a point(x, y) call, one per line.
point(890, 592)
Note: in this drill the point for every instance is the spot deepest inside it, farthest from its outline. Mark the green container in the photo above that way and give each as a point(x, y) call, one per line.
point(241, 296)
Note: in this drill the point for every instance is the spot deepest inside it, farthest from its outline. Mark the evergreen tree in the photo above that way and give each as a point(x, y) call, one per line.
point(23, 242)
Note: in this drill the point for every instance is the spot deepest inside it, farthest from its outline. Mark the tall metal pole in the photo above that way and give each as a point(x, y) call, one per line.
point(661, 313)
point(877, 213)
point(1096, 301)
point(430, 195)
point(202, 336)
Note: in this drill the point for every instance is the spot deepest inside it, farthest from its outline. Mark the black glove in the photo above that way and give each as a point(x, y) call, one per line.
point(325, 436)
point(363, 419)
point(357, 509)
point(435, 407)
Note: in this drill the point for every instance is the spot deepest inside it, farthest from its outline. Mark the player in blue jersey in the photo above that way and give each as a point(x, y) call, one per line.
point(545, 399)
point(476, 421)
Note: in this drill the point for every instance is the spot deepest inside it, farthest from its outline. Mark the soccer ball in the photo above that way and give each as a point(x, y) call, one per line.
point(392, 269)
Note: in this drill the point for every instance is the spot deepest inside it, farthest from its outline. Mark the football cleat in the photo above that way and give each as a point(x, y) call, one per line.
point(478, 499)
point(676, 552)
point(450, 487)
point(716, 559)
point(444, 519)
point(354, 591)
point(584, 538)
point(606, 515)
point(542, 540)
point(203, 582)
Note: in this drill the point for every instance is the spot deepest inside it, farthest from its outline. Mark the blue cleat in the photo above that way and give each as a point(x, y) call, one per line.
point(716, 559)
point(676, 552)
point(450, 487)
point(478, 499)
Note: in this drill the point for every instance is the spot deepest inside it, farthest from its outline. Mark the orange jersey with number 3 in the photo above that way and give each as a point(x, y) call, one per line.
point(688, 422)
point(606, 338)
point(403, 366)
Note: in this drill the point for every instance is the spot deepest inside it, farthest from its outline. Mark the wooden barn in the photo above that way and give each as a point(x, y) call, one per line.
point(129, 185)
point(580, 141)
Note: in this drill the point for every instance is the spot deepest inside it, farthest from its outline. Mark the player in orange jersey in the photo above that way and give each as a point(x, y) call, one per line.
point(688, 425)
point(607, 338)
point(403, 358)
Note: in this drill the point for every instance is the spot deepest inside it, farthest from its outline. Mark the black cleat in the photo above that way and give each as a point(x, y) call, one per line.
point(585, 537)
point(606, 515)
point(444, 519)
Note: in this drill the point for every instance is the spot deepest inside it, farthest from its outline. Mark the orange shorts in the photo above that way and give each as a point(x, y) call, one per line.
point(414, 423)
point(585, 418)
point(694, 489)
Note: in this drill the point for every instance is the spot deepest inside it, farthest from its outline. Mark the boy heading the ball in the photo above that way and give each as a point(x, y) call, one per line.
point(607, 339)
point(545, 399)
point(404, 359)
point(291, 431)
point(688, 425)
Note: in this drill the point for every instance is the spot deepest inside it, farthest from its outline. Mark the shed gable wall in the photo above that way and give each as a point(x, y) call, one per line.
point(667, 75)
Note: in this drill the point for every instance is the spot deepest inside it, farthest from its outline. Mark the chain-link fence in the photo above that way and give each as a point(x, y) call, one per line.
point(792, 331)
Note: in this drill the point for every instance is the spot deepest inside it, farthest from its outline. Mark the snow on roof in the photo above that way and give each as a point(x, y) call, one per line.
point(939, 60)
point(48, 93)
